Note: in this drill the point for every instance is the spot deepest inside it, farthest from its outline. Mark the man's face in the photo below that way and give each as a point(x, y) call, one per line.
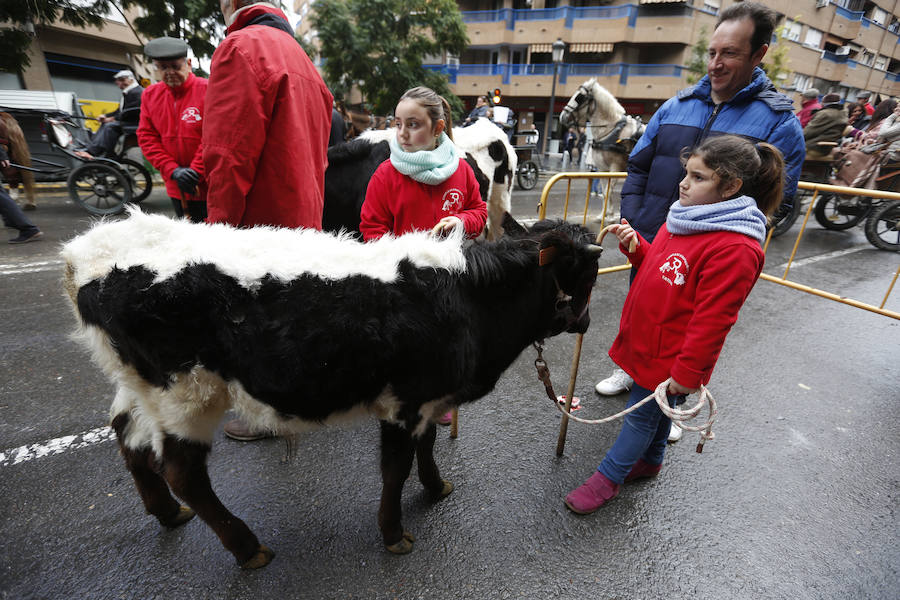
point(123, 82)
point(730, 62)
point(173, 72)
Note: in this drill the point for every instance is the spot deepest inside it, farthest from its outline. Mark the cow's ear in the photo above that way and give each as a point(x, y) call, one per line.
point(512, 227)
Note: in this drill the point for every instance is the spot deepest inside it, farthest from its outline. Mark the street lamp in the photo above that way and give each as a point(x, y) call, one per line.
point(559, 48)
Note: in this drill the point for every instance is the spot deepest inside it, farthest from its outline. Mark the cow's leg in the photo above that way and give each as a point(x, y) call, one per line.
point(151, 486)
point(429, 474)
point(184, 467)
point(397, 451)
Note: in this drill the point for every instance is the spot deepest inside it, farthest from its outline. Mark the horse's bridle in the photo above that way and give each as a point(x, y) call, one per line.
point(576, 102)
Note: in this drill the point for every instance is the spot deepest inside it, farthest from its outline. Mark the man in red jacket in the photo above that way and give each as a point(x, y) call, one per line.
point(171, 126)
point(268, 117)
point(265, 140)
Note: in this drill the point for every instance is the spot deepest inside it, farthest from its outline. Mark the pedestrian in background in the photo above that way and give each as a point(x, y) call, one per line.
point(809, 104)
point(690, 285)
point(265, 136)
point(13, 215)
point(171, 126)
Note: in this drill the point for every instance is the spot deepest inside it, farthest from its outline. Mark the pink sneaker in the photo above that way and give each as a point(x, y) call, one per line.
point(446, 419)
point(642, 469)
point(593, 493)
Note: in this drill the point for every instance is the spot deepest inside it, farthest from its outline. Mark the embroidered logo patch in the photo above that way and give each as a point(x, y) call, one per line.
point(453, 201)
point(191, 115)
point(675, 269)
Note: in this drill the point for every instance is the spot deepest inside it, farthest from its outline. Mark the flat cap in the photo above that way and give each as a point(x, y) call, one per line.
point(123, 74)
point(165, 48)
point(811, 93)
point(863, 94)
point(829, 100)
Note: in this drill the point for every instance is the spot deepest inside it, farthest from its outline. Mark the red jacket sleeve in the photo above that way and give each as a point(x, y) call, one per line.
point(150, 141)
point(727, 276)
point(376, 217)
point(474, 213)
point(238, 109)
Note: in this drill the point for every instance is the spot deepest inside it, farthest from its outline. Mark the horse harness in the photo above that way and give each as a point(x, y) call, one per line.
point(613, 143)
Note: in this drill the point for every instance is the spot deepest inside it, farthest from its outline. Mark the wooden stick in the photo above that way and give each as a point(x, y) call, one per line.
point(454, 423)
point(564, 425)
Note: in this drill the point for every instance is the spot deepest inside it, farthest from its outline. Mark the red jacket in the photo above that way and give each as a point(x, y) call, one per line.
point(682, 303)
point(398, 204)
point(171, 129)
point(805, 114)
point(268, 116)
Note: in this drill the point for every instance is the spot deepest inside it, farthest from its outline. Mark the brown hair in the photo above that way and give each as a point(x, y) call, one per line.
point(434, 104)
point(762, 17)
point(760, 167)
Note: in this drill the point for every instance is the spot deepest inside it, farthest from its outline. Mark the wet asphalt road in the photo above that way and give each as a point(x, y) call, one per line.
point(797, 497)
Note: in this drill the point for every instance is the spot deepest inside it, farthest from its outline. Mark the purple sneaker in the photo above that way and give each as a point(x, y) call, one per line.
point(642, 469)
point(593, 493)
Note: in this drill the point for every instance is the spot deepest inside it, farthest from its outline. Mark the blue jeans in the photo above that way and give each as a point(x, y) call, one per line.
point(13, 215)
point(644, 435)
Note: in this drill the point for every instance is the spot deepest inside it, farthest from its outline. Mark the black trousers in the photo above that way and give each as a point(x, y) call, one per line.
point(196, 208)
point(104, 141)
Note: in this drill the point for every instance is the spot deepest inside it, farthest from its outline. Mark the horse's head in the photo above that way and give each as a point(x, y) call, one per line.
point(591, 102)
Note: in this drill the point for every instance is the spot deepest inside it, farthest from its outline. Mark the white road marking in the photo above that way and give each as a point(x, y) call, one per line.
point(15, 456)
point(826, 256)
point(32, 267)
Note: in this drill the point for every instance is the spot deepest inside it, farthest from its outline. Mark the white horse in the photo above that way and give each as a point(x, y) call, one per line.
point(613, 133)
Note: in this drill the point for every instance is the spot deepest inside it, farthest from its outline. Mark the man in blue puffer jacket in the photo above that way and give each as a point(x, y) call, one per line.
point(736, 97)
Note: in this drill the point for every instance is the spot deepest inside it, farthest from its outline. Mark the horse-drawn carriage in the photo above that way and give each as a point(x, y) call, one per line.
point(528, 170)
point(52, 124)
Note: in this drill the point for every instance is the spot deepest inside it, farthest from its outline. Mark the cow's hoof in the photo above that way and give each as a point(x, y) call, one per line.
point(404, 546)
point(444, 491)
point(262, 557)
point(181, 517)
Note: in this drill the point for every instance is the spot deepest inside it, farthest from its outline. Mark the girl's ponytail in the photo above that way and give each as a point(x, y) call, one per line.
point(448, 117)
point(768, 182)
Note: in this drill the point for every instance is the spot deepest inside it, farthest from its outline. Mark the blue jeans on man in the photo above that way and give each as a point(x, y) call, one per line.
point(15, 218)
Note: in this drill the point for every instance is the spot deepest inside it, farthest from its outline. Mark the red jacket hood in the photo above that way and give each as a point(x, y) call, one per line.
point(251, 12)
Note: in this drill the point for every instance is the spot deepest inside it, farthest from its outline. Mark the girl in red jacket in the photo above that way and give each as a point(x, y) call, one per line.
point(690, 285)
point(426, 184)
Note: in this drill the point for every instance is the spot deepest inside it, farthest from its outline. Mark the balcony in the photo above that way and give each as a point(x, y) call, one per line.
point(833, 67)
point(632, 80)
point(848, 26)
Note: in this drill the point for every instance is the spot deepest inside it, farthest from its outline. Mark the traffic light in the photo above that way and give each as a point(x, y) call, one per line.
point(496, 97)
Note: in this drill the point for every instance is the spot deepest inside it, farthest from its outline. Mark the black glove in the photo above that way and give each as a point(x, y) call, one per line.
point(186, 178)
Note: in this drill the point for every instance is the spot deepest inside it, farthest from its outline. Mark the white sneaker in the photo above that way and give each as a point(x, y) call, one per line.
point(675, 432)
point(618, 382)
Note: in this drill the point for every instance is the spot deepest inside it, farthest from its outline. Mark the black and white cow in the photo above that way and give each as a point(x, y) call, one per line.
point(351, 165)
point(299, 328)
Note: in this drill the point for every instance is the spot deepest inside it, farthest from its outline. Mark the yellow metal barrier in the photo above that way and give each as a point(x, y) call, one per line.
point(783, 280)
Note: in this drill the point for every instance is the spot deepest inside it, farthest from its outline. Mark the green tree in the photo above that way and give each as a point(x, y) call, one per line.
point(776, 64)
point(696, 66)
point(24, 15)
point(197, 22)
point(379, 46)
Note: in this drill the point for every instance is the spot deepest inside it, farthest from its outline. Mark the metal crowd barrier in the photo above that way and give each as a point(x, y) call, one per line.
point(783, 280)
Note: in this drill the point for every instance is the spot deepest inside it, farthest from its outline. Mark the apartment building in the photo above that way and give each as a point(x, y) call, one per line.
point(637, 49)
point(72, 59)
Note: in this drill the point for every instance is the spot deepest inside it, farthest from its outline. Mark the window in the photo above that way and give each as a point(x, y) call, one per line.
point(813, 38)
point(791, 30)
point(879, 16)
point(801, 82)
point(881, 62)
point(867, 58)
point(711, 6)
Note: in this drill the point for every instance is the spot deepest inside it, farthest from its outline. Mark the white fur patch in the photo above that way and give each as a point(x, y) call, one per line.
point(166, 246)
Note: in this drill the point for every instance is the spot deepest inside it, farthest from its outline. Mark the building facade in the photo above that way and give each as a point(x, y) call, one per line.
point(638, 49)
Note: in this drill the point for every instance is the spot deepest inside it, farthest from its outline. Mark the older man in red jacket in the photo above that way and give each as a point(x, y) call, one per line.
point(171, 126)
point(267, 123)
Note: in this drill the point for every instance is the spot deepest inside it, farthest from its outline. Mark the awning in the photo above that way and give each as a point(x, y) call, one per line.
point(537, 48)
point(602, 47)
point(662, 1)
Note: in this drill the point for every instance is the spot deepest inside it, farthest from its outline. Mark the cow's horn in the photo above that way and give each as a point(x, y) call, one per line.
point(594, 249)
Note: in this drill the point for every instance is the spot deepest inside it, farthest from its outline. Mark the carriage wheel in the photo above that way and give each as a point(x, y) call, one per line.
point(784, 219)
point(883, 227)
point(837, 212)
point(527, 174)
point(141, 181)
point(100, 188)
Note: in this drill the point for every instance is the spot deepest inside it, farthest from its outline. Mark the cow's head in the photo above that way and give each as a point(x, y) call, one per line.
point(568, 259)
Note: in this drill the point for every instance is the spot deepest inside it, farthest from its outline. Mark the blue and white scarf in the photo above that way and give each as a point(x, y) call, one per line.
point(738, 214)
point(426, 166)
